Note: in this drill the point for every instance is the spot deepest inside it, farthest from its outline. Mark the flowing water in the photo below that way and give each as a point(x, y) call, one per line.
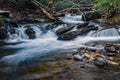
point(18, 48)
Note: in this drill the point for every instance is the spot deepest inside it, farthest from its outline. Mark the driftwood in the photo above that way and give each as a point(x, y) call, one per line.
point(44, 9)
point(51, 14)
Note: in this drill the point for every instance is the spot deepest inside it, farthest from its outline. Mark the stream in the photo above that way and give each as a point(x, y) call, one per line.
point(19, 51)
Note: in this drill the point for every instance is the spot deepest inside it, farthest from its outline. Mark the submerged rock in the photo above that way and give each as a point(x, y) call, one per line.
point(13, 34)
point(30, 33)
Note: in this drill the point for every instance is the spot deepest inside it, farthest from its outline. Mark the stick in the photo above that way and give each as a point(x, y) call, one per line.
point(40, 6)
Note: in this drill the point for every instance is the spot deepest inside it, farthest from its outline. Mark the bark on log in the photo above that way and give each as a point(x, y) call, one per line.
point(44, 9)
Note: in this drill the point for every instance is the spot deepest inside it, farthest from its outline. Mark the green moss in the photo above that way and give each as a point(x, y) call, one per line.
point(63, 5)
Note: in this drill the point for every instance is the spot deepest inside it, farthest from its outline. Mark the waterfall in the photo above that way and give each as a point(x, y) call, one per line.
point(26, 31)
point(111, 32)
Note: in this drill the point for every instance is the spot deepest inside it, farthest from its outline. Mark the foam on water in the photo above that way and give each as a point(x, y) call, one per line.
point(68, 18)
point(105, 33)
point(46, 41)
point(40, 47)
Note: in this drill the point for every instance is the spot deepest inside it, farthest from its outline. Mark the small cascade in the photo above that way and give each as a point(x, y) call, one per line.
point(75, 19)
point(111, 32)
point(41, 39)
point(26, 31)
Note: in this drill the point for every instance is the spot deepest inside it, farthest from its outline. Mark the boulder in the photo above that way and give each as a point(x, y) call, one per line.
point(82, 25)
point(64, 30)
point(87, 29)
point(3, 34)
point(30, 33)
point(73, 34)
point(69, 35)
point(100, 62)
point(91, 16)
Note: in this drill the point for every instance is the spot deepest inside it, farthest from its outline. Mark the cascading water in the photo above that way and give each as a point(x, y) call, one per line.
point(41, 39)
point(68, 18)
point(45, 43)
point(105, 33)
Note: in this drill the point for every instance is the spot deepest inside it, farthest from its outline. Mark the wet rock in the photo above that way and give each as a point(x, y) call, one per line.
point(3, 34)
point(110, 48)
point(82, 25)
point(14, 25)
point(73, 34)
point(100, 62)
point(69, 35)
point(77, 57)
point(30, 33)
point(87, 29)
point(64, 30)
point(91, 15)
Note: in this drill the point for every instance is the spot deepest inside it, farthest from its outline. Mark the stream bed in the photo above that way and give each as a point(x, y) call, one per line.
point(25, 56)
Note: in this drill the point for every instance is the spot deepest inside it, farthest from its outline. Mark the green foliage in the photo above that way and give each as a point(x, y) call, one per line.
point(107, 3)
point(23, 3)
point(45, 2)
point(110, 5)
point(63, 5)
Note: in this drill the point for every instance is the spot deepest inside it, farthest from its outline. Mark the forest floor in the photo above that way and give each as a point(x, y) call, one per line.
point(18, 13)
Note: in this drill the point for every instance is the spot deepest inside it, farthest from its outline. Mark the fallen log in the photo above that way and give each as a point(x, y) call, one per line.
point(35, 1)
point(44, 10)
